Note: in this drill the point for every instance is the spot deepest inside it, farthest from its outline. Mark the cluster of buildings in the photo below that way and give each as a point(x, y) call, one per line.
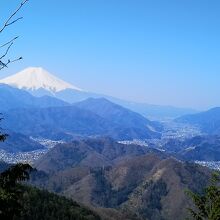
point(22, 157)
point(215, 165)
point(30, 156)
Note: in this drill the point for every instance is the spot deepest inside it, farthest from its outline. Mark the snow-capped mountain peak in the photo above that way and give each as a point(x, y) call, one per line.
point(35, 78)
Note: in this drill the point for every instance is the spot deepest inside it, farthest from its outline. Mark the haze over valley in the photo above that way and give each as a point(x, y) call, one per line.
point(46, 109)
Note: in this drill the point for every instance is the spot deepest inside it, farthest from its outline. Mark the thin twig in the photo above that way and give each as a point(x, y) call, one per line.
point(3, 65)
point(14, 21)
point(15, 38)
point(6, 52)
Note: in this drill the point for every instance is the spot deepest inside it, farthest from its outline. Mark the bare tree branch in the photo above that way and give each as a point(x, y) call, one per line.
point(8, 21)
point(6, 52)
point(11, 20)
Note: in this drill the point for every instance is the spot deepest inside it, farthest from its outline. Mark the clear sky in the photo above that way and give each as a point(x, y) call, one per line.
point(156, 51)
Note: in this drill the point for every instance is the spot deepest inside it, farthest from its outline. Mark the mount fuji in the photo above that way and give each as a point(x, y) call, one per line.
point(35, 78)
point(40, 82)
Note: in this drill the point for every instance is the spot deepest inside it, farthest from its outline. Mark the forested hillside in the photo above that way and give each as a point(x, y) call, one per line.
point(21, 202)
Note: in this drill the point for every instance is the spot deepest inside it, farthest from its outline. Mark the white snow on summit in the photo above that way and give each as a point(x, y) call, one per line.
point(35, 78)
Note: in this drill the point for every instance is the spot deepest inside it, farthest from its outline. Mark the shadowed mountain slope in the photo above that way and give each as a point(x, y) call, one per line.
point(118, 114)
point(12, 98)
point(16, 142)
point(71, 121)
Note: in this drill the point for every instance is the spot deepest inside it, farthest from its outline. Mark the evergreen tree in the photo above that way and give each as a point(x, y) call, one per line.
point(11, 191)
point(207, 205)
point(2, 136)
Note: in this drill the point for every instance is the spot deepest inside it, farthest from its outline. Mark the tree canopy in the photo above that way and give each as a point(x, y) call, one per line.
point(207, 205)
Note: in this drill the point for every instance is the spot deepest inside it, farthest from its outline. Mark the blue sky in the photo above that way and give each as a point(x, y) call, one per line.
point(154, 51)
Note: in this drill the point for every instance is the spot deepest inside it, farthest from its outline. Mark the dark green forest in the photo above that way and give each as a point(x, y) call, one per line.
point(21, 202)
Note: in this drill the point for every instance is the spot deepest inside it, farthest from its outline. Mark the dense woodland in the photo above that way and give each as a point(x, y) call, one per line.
point(40, 204)
point(21, 202)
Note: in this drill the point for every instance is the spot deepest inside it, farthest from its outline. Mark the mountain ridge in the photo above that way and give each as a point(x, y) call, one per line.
point(71, 94)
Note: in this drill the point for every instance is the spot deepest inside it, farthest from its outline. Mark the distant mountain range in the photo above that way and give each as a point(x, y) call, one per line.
point(40, 82)
point(49, 117)
point(52, 118)
point(138, 181)
point(208, 121)
point(71, 121)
